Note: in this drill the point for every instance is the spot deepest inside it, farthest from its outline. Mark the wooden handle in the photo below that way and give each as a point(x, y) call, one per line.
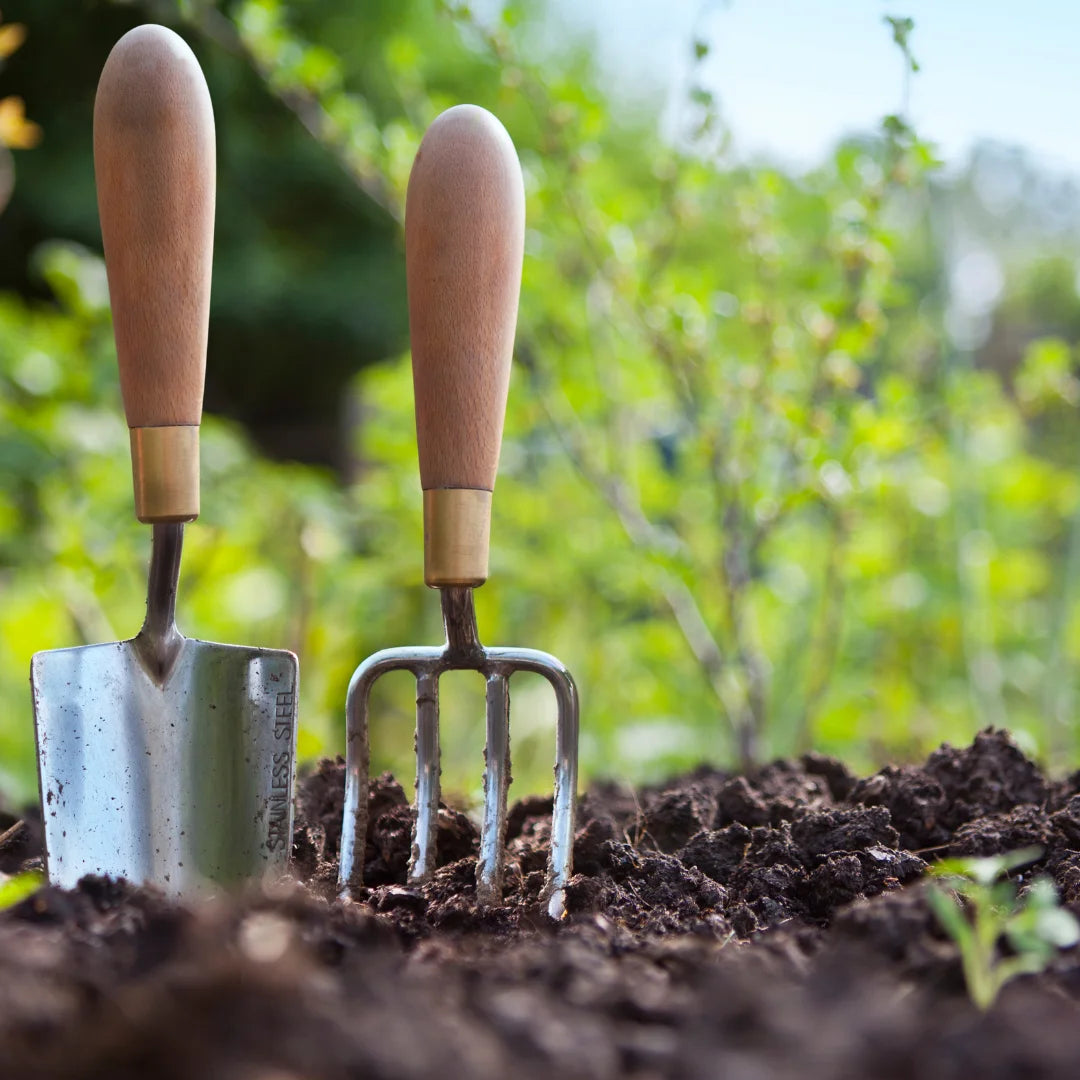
point(154, 162)
point(464, 238)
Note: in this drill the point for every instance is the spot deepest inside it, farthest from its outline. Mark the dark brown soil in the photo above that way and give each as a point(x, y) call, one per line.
point(746, 927)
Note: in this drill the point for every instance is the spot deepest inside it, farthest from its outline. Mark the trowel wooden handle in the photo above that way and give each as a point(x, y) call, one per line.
point(464, 237)
point(154, 163)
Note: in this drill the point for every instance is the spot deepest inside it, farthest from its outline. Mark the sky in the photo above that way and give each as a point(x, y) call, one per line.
point(793, 76)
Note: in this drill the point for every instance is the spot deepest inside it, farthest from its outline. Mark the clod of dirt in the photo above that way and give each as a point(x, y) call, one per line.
point(773, 794)
point(916, 804)
point(672, 817)
point(1021, 827)
point(320, 801)
point(990, 776)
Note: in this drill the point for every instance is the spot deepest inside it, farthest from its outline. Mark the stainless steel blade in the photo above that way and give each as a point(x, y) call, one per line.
point(185, 782)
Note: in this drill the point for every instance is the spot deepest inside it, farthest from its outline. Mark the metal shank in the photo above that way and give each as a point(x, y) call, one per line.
point(462, 651)
point(159, 642)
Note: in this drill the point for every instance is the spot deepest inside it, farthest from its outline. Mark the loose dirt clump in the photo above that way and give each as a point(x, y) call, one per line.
point(767, 925)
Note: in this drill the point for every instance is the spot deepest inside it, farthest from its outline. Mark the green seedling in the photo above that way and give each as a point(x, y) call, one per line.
point(18, 887)
point(979, 909)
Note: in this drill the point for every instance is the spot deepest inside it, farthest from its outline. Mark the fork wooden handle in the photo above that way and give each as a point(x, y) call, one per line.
point(464, 239)
point(154, 162)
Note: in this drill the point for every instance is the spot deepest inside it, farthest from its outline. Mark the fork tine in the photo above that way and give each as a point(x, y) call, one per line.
point(357, 780)
point(428, 770)
point(564, 805)
point(489, 869)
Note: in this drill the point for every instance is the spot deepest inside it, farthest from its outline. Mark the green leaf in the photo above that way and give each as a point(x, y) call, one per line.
point(901, 35)
point(14, 890)
point(1058, 927)
point(947, 909)
point(895, 126)
point(986, 870)
point(1042, 920)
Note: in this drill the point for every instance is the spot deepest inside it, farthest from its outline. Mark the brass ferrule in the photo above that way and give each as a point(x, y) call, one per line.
point(457, 524)
point(165, 468)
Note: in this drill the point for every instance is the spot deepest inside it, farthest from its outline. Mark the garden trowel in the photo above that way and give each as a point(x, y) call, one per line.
point(162, 759)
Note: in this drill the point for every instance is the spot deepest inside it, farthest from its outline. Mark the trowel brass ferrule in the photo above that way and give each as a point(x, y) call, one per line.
point(165, 470)
point(462, 651)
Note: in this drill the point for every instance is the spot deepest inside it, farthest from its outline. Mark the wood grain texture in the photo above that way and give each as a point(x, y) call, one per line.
point(464, 239)
point(154, 163)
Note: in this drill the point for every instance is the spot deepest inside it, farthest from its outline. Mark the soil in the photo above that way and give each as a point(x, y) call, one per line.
point(771, 925)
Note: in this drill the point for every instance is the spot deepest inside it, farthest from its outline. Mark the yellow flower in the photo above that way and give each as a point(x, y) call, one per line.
point(15, 130)
point(11, 37)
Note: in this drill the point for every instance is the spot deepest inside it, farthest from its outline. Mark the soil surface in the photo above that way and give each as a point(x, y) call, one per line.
point(752, 927)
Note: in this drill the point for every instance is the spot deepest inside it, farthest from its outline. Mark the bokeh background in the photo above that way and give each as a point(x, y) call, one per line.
point(792, 449)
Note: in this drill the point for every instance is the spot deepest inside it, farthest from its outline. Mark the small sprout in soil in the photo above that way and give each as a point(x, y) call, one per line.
point(18, 887)
point(979, 909)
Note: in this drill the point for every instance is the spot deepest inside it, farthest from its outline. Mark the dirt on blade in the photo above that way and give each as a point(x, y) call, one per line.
point(769, 925)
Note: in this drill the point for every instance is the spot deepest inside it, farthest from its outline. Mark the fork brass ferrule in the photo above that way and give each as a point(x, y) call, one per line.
point(165, 469)
point(457, 526)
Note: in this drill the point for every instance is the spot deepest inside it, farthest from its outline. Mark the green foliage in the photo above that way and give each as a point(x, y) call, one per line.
point(752, 491)
point(979, 909)
point(15, 889)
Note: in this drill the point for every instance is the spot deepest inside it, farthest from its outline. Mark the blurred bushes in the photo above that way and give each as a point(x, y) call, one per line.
point(783, 465)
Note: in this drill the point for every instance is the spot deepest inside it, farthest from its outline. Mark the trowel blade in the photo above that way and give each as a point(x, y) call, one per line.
point(185, 784)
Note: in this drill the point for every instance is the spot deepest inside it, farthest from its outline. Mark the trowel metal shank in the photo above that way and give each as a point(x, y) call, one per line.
point(164, 759)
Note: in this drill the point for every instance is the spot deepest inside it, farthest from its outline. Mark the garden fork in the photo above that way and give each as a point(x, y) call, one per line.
point(464, 238)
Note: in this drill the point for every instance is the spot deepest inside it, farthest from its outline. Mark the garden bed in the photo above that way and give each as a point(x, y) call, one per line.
point(773, 925)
